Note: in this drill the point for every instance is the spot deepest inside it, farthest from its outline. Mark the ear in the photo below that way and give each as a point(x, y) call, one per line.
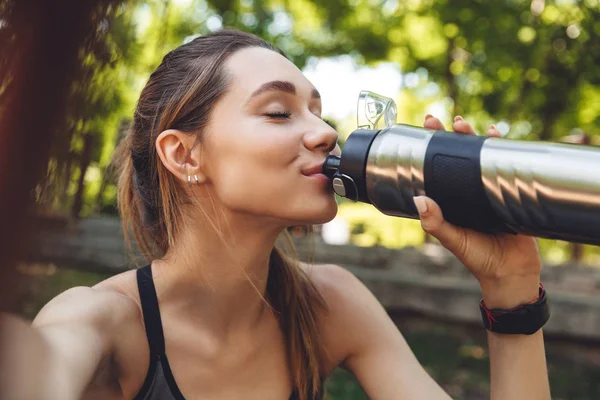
point(178, 154)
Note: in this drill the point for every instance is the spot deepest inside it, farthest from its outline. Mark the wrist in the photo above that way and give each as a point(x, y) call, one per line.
point(509, 292)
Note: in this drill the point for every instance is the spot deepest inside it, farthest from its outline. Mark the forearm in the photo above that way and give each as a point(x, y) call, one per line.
point(518, 367)
point(517, 362)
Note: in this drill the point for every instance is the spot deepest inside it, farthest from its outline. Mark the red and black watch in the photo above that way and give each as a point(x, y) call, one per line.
point(525, 319)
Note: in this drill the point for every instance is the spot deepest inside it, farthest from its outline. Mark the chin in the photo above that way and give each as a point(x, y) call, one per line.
point(323, 215)
point(311, 210)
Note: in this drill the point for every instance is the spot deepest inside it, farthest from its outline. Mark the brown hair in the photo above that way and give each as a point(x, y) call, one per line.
point(180, 95)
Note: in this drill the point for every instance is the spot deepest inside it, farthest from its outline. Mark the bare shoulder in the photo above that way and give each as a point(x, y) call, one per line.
point(86, 333)
point(124, 284)
point(338, 286)
point(354, 321)
point(352, 316)
point(105, 303)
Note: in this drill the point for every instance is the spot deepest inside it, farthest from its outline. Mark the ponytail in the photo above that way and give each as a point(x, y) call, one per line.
point(298, 303)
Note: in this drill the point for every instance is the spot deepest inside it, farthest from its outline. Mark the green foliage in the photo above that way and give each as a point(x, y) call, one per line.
point(369, 227)
point(343, 385)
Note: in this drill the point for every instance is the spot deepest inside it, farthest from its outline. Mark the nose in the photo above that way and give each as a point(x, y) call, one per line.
point(323, 138)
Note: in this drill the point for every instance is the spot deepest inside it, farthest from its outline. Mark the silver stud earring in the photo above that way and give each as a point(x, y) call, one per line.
point(197, 180)
point(189, 180)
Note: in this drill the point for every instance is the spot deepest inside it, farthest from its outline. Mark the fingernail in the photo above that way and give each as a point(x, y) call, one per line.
point(428, 116)
point(458, 118)
point(420, 204)
point(492, 126)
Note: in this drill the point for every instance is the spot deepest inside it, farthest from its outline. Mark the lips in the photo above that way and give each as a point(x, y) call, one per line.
point(313, 170)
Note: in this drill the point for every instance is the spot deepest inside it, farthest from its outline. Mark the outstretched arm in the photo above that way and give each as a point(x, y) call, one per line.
point(57, 356)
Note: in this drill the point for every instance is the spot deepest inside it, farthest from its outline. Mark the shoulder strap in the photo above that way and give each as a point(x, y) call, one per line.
point(152, 321)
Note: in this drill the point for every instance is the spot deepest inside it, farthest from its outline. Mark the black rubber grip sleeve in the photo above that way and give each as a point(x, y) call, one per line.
point(452, 176)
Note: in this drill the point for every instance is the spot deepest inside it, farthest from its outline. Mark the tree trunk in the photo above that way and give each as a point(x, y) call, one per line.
point(65, 181)
point(577, 251)
point(100, 195)
point(84, 163)
point(41, 43)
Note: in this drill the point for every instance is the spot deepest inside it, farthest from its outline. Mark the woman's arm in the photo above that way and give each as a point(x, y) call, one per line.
point(359, 335)
point(57, 356)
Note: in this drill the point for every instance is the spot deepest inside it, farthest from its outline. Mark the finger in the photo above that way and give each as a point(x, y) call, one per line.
point(432, 122)
point(432, 222)
point(462, 126)
point(493, 132)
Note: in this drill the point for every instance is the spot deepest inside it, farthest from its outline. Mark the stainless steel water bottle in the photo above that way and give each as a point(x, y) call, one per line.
point(492, 185)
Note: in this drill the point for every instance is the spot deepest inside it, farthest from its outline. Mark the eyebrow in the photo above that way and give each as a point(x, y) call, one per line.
point(281, 86)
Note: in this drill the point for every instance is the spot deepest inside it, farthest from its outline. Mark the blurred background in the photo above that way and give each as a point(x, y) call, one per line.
point(531, 67)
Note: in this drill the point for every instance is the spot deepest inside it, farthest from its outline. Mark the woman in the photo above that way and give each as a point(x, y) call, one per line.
point(223, 155)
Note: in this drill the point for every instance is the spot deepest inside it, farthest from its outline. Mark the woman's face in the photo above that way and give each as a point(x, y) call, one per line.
point(266, 142)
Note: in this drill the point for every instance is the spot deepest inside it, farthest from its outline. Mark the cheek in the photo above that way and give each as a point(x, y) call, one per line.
point(252, 171)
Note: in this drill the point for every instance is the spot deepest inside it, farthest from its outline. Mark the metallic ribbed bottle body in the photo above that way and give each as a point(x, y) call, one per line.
point(538, 188)
point(394, 170)
point(544, 189)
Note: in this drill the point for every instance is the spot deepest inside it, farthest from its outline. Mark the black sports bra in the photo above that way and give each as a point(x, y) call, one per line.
point(159, 383)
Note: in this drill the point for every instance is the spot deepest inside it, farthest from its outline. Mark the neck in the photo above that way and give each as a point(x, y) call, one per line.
point(220, 279)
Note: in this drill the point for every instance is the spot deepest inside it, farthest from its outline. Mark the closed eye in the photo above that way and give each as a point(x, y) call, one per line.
point(280, 115)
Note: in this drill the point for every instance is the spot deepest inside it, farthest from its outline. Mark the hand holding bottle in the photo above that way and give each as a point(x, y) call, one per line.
point(506, 266)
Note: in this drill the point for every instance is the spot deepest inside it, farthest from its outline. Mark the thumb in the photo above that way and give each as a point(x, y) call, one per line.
point(432, 222)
